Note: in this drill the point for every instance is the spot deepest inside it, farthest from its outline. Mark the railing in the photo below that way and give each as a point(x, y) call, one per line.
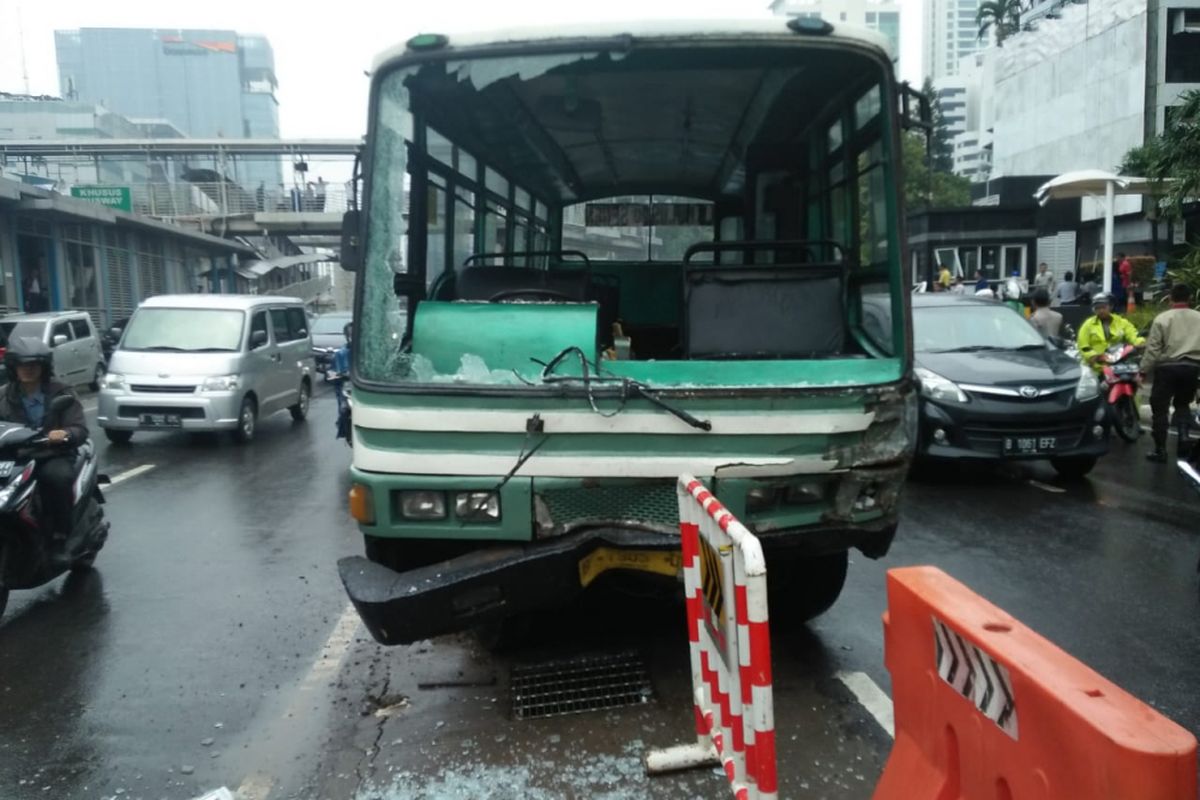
point(217, 199)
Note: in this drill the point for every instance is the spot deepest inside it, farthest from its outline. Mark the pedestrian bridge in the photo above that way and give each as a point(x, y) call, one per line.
point(226, 187)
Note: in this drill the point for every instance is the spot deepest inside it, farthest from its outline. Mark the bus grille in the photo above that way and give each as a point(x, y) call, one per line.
point(649, 504)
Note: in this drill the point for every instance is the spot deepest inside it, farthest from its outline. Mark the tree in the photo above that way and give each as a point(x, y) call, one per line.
point(1003, 17)
point(1172, 159)
point(943, 149)
point(924, 189)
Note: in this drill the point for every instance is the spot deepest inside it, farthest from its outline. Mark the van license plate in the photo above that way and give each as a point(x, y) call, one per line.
point(161, 420)
point(1030, 445)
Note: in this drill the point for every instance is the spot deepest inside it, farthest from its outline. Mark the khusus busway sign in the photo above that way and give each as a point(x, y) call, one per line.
point(118, 197)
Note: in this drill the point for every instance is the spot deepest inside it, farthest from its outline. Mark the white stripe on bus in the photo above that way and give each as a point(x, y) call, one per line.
point(469, 421)
point(581, 466)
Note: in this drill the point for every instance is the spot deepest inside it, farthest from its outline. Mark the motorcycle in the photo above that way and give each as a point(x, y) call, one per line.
point(1119, 383)
point(29, 556)
point(344, 423)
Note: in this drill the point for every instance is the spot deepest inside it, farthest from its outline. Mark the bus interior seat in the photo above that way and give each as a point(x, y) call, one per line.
point(482, 283)
point(764, 311)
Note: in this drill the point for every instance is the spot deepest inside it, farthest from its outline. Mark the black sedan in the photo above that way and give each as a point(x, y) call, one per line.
point(992, 388)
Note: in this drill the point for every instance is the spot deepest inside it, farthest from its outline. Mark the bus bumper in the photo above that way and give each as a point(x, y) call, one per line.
point(503, 580)
point(496, 582)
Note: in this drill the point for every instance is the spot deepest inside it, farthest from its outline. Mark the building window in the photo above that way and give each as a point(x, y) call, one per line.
point(1183, 45)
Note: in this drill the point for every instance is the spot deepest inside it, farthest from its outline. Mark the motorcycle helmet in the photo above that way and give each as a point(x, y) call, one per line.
point(1102, 299)
point(26, 350)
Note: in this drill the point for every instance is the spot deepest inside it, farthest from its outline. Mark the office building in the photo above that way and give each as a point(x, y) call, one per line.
point(951, 33)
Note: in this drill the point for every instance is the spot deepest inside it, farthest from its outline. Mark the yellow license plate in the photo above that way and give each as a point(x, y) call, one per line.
point(660, 562)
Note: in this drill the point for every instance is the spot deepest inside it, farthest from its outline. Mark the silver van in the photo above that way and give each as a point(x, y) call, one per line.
point(78, 355)
point(208, 363)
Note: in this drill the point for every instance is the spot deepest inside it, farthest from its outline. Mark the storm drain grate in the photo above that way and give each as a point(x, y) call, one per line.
point(578, 685)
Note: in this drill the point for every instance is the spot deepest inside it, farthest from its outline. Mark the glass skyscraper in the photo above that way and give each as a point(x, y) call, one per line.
point(207, 83)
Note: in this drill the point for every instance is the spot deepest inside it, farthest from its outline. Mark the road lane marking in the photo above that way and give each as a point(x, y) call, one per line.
point(90, 408)
point(872, 698)
point(131, 473)
point(259, 785)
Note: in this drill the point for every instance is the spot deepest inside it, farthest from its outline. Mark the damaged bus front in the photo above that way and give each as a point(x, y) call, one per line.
point(593, 259)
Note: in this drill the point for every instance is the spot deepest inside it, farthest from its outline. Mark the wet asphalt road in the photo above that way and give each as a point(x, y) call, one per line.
point(210, 646)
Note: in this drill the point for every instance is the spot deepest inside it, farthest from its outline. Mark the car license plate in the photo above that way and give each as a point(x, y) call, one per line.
point(6, 468)
point(1030, 445)
point(602, 559)
point(161, 420)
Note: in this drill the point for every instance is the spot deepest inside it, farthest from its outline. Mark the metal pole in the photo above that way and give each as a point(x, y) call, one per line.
point(1109, 197)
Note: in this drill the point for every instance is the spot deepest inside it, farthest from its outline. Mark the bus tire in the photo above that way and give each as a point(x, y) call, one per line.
point(801, 588)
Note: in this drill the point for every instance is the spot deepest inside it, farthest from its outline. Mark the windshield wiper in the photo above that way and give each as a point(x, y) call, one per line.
point(209, 350)
point(164, 348)
point(1030, 347)
point(629, 388)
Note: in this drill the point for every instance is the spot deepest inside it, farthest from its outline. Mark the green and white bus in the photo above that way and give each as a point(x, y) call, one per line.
point(592, 258)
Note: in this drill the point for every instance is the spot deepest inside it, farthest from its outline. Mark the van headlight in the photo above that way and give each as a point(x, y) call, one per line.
point(935, 387)
point(113, 380)
point(220, 383)
point(1088, 387)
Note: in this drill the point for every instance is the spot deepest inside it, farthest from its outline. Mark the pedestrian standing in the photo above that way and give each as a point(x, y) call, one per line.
point(1067, 291)
point(944, 279)
point(1048, 322)
point(1044, 278)
point(981, 282)
point(1123, 280)
point(1172, 362)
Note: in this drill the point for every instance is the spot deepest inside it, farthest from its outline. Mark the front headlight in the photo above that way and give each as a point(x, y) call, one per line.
point(113, 380)
point(220, 383)
point(422, 505)
point(1088, 387)
point(935, 387)
point(477, 506)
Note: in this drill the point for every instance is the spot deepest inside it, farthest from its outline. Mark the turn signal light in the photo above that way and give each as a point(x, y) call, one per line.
point(362, 504)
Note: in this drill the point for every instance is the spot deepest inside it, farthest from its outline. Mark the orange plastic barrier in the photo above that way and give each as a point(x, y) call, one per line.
point(986, 708)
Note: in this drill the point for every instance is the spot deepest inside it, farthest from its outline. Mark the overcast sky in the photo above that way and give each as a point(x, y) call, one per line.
point(320, 58)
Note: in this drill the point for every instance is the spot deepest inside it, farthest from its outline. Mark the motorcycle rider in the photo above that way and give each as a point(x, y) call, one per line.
point(26, 401)
point(1172, 362)
point(1104, 329)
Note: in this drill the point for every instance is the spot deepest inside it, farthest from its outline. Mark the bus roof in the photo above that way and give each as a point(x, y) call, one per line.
point(747, 27)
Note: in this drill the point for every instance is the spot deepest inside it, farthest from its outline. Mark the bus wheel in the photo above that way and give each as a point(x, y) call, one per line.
point(803, 587)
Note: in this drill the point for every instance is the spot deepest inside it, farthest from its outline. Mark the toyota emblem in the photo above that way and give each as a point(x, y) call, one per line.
point(1028, 392)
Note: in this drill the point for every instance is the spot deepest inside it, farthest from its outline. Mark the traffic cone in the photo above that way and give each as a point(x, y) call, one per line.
point(1130, 302)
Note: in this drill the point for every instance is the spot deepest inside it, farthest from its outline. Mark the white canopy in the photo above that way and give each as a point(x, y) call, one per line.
point(1093, 183)
point(1090, 183)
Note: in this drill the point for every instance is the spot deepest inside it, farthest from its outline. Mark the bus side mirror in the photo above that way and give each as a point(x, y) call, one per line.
point(351, 256)
point(915, 110)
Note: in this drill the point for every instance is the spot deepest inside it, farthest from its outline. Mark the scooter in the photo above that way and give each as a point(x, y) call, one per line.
point(1120, 381)
point(29, 557)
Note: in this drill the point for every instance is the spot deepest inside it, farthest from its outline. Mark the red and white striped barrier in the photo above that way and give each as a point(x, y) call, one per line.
point(725, 580)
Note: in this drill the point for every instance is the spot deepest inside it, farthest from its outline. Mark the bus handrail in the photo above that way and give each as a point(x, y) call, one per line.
point(587, 263)
point(721, 247)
